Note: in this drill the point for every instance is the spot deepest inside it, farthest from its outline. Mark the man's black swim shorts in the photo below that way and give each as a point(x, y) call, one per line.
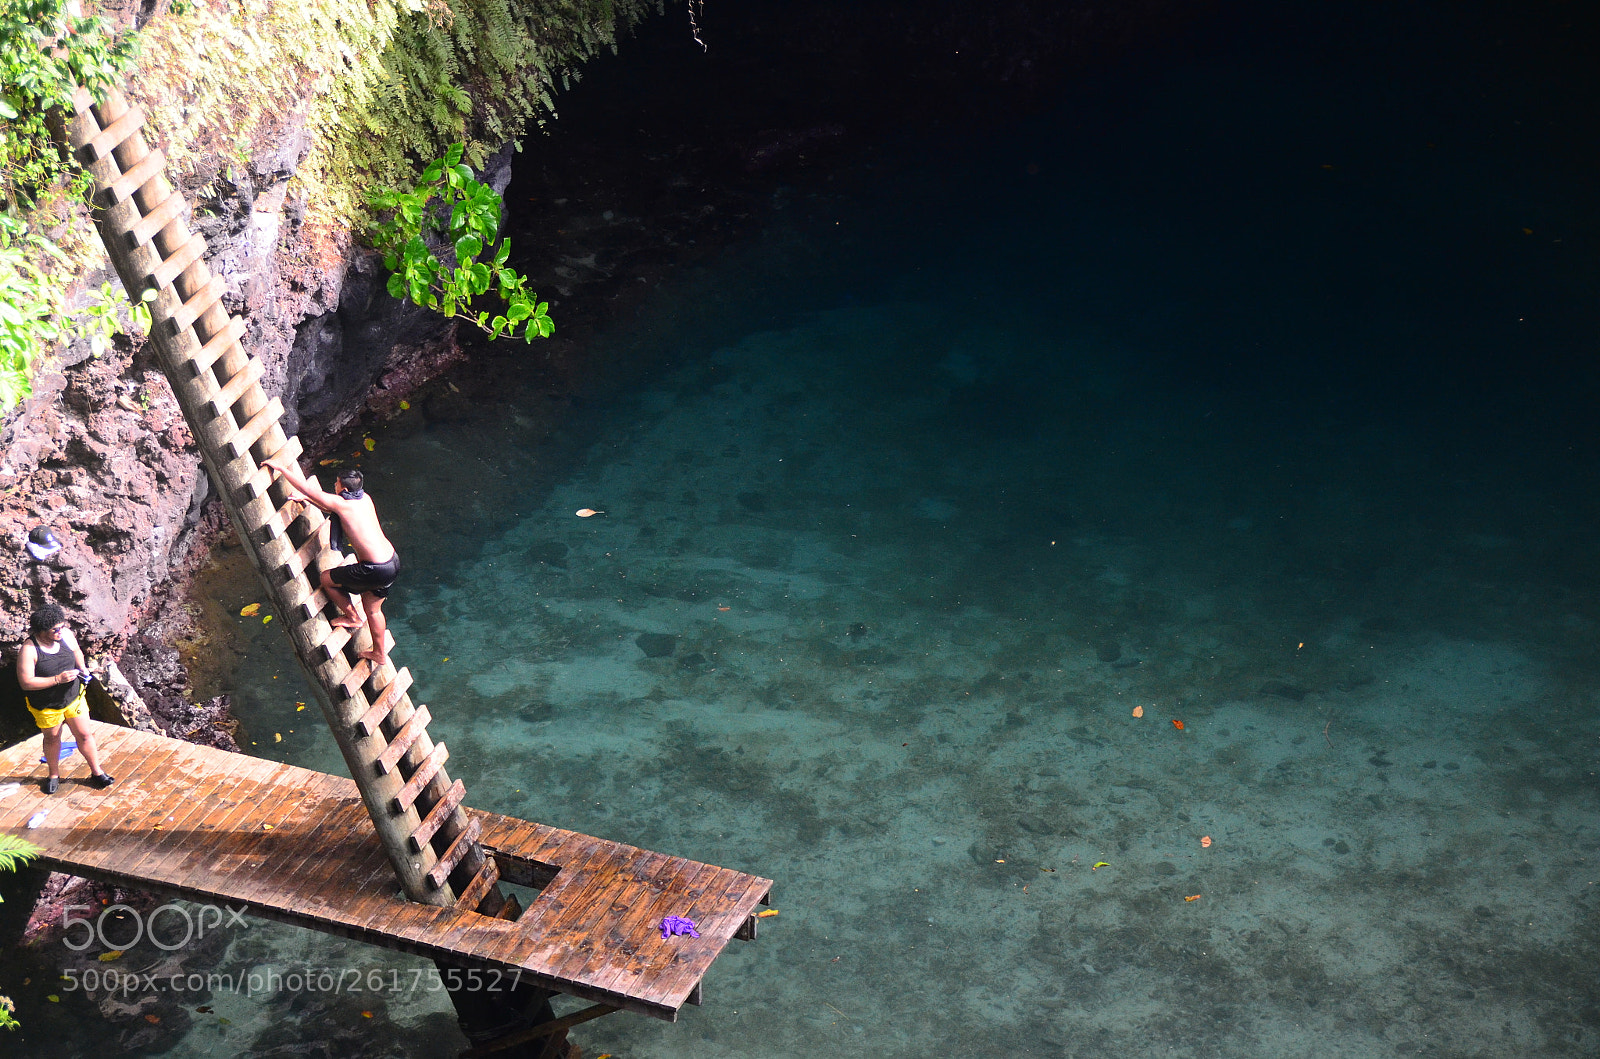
point(367, 578)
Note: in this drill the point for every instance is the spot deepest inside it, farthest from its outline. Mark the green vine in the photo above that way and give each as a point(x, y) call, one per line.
point(45, 53)
point(467, 212)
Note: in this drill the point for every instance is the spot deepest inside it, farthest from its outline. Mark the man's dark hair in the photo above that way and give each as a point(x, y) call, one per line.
point(46, 618)
point(352, 478)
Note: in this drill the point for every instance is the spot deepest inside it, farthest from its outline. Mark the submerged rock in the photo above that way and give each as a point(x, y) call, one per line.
point(657, 644)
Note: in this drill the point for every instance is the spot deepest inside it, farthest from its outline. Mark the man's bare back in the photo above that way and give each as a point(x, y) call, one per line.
point(377, 563)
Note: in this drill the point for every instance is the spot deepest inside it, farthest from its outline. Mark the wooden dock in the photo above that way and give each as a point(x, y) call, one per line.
point(297, 846)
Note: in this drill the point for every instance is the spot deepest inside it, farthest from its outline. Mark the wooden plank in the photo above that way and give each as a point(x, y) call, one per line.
point(212, 819)
point(593, 933)
point(358, 675)
point(300, 561)
point(384, 704)
point(145, 228)
point(627, 926)
point(420, 778)
point(570, 891)
point(172, 829)
point(238, 446)
point(338, 635)
point(172, 267)
point(324, 804)
point(83, 831)
point(482, 883)
point(299, 837)
point(408, 734)
point(636, 946)
point(215, 346)
point(223, 400)
point(119, 189)
point(441, 811)
point(110, 138)
point(264, 833)
point(195, 306)
point(231, 813)
point(440, 872)
point(258, 483)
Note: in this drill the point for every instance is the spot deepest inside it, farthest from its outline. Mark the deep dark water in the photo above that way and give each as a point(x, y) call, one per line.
point(1217, 378)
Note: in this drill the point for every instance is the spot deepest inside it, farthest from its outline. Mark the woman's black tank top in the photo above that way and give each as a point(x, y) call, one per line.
point(45, 665)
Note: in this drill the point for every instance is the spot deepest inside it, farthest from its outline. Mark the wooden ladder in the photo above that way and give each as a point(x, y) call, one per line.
point(400, 772)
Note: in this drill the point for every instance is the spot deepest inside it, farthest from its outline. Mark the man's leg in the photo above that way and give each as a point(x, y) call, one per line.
point(349, 615)
point(378, 626)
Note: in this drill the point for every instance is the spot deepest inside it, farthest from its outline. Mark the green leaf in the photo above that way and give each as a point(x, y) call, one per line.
point(468, 247)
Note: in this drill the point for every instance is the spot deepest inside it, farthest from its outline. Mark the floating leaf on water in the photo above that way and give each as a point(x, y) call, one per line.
point(266, 619)
point(329, 463)
point(587, 512)
point(250, 611)
point(368, 444)
point(114, 954)
point(405, 406)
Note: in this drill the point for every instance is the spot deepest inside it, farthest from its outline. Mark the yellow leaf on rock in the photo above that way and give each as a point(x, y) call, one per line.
point(405, 405)
point(53, 999)
point(368, 444)
point(114, 954)
point(266, 619)
point(250, 611)
point(277, 737)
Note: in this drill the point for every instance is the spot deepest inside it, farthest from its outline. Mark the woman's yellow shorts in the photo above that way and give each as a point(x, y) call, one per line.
point(48, 719)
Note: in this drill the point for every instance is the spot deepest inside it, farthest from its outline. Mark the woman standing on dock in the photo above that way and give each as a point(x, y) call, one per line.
point(53, 674)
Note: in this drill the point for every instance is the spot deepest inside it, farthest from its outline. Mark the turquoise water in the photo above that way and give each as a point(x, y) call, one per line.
point(1231, 392)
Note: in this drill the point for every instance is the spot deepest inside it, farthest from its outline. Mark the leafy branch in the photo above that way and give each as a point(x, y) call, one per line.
point(14, 853)
point(45, 54)
point(467, 214)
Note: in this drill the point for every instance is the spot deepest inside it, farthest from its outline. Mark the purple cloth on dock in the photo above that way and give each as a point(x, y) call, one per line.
point(678, 925)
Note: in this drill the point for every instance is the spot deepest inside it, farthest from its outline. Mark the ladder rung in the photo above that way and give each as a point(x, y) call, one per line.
point(337, 637)
point(251, 432)
point(216, 346)
point(110, 138)
point(242, 380)
point(420, 779)
point(126, 184)
point(437, 816)
point(458, 849)
point(356, 677)
point(512, 909)
point(314, 603)
point(278, 524)
point(384, 704)
point(81, 100)
point(195, 307)
point(258, 483)
point(145, 229)
point(172, 267)
point(480, 886)
point(402, 741)
point(301, 561)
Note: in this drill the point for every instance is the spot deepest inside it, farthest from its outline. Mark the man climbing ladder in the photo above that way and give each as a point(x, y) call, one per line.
point(377, 563)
